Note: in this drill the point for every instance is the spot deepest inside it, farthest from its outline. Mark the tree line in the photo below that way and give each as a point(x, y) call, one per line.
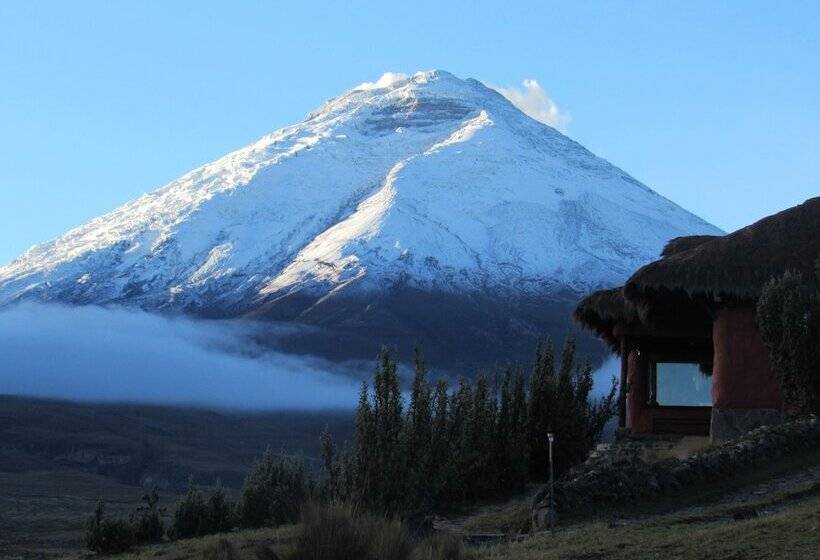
point(448, 445)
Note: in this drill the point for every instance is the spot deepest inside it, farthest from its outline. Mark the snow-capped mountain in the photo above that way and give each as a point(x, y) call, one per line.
point(429, 186)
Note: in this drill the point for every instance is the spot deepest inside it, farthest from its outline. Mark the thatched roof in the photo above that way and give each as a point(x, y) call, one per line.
point(707, 269)
point(736, 266)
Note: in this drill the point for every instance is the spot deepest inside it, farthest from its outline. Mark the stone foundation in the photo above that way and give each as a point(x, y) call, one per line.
point(727, 424)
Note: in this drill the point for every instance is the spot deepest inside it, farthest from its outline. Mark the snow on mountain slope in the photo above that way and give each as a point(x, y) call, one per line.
point(428, 182)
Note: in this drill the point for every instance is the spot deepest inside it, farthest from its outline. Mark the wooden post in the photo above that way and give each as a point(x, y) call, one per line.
point(622, 388)
point(551, 437)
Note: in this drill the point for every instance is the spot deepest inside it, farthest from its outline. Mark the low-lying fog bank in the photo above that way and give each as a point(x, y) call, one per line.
point(105, 354)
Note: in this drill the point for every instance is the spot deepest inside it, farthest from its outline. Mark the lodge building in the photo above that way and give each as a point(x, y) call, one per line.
point(692, 359)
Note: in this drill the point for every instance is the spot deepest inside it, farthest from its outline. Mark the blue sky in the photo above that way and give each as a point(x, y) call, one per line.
point(715, 105)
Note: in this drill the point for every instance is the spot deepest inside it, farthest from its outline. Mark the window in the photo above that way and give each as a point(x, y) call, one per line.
point(681, 384)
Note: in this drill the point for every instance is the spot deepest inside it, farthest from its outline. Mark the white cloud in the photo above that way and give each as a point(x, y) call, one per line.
point(387, 80)
point(534, 102)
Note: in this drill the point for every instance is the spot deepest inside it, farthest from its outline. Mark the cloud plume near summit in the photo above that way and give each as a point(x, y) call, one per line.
point(533, 101)
point(116, 355)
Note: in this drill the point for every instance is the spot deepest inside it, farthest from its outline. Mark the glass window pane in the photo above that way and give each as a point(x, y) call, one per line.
point(682, 384)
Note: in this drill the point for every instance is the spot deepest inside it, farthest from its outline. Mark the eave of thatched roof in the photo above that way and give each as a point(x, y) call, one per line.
point(602, 311)
point(680, 244)
point(736, 266)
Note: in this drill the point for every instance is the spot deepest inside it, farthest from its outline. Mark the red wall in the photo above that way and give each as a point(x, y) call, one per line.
point(742, 377)
point(639, 415)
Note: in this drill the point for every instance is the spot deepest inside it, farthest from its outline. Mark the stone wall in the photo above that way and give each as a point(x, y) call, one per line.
point(728, 424)
point(620, 475)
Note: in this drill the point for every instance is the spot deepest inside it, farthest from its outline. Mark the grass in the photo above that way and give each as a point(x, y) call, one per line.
point(248, 544)
point(511, 518)
point(793, 533)
point(326, 533)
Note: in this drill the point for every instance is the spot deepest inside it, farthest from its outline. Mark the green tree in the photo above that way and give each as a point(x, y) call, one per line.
point(519, 453)
point(442, 468)
point(418, 436)
point(560, 402)
point(540, 410)
point(788, 316)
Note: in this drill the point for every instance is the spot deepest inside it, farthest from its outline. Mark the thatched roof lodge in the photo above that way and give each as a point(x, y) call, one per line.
point(692, 360)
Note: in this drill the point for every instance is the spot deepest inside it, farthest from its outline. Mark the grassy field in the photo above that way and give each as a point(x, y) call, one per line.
point(792, 533)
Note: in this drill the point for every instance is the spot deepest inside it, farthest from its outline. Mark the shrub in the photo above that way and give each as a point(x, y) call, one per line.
point(274, 491)
point(338, 532)
point(107, 536)
point(146, 521)
point(788, 315)
point(200, 513)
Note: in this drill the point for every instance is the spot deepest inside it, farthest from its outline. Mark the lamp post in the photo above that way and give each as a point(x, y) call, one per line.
point(551, 438)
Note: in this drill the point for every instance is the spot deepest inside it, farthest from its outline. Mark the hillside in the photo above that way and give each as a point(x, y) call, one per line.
point(770, 513)
point(57, 458)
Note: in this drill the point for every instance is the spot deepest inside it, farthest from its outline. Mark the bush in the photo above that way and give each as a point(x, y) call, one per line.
point(107, 536)
point(200, 513)
point(146, 521)
point(788, 315)
point(338, 532)
point(274, 491)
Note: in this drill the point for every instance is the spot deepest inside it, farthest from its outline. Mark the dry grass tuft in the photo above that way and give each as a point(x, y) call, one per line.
point(441, 546)
point(338, 532)
point(220, 550)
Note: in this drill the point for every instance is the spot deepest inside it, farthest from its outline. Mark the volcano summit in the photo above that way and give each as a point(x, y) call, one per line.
point(416, 209)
